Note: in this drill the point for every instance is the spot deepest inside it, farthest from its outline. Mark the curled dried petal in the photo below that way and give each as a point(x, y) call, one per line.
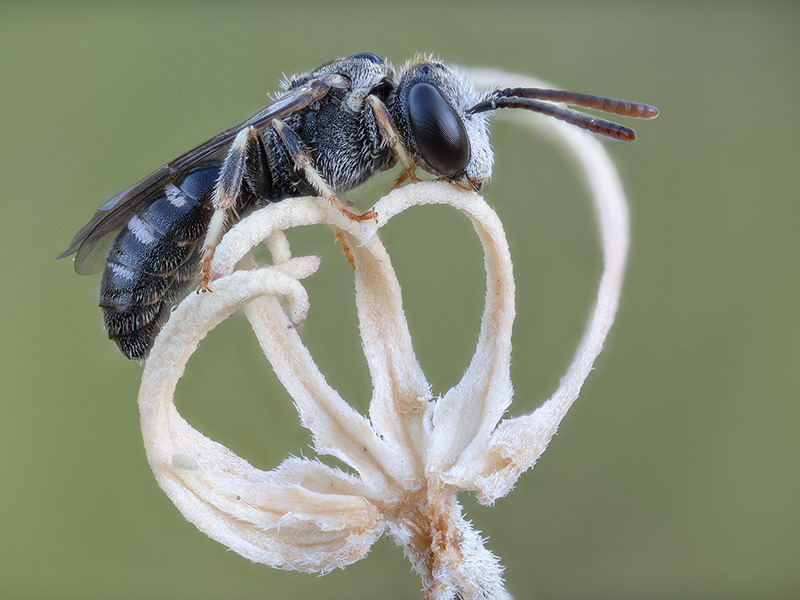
point(517, 443)
point(282, 518)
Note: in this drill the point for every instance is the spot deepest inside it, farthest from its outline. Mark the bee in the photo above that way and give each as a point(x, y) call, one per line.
point(330, 130)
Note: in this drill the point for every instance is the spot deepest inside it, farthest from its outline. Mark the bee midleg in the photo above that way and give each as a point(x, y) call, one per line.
point(392, 139)
point(244, 163)
point(304, 162)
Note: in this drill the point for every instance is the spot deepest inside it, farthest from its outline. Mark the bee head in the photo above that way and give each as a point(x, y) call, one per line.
point(430, 108)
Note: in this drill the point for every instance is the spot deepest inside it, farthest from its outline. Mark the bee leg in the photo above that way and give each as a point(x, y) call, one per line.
point(339, 237)
point(303, 162)
point(245, 163)
point(392, 139)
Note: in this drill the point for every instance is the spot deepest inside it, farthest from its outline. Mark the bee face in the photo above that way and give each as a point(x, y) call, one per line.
point(430, 108)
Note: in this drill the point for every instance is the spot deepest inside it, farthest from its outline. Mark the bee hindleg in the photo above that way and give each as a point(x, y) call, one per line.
point(245, 164)
point(303, 162)
point(392, 139)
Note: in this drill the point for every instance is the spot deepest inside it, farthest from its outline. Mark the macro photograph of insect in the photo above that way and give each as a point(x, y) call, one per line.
point(226, 217)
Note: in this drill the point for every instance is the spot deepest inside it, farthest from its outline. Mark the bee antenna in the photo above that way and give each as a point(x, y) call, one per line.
point(540, 100)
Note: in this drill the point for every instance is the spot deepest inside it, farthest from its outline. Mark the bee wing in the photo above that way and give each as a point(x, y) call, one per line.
point(293, 100)
point(109, 218)
point(92, 240)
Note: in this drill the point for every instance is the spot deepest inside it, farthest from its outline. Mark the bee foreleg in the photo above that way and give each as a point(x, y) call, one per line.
point(305, 163)
point(392, 139)
point(233, 175)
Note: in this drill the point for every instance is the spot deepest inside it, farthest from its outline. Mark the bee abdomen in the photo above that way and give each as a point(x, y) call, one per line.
point(134, 329)
point(153, 262)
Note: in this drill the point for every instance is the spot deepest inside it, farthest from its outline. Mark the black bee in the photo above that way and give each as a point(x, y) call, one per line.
point(332, 129)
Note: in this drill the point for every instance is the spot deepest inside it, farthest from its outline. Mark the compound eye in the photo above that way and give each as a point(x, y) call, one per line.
point(439, 132)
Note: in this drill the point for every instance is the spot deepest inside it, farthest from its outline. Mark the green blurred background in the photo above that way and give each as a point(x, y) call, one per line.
point(675, 475)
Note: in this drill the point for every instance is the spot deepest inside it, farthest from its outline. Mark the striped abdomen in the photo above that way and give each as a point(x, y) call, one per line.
point(154, 261)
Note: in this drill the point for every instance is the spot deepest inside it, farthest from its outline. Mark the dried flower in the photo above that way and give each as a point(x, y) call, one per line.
point(414, 452)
